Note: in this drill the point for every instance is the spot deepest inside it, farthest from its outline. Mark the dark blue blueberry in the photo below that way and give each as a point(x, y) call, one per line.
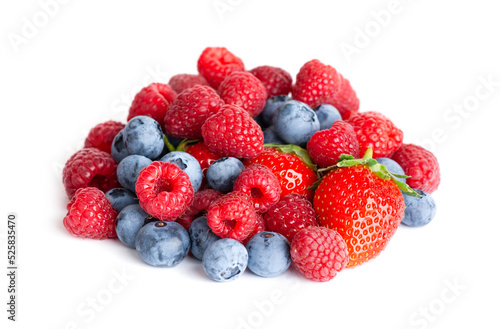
point(327, 115)
point(270, 107)
point(260, 122)
point(201, 236)
point(295, 122)
point(271, 137)
point(188, 164)
point(128, 223)
point(268, 254)
point(162, 243)
point(121, 197)
point(419, 211)
point(118, 149)
point(222, 173)
point(143, 136)
point(393, 167)
point(225, 260)
point(129, 168)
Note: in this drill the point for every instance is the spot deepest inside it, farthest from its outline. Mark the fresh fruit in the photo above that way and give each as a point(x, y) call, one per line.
point(143, 136)
point(294, 122)
point(128, 223)
point(201, 236)
point(225, 260)
point(118, 149)
point(260, 226)
point(232, 132)
point(215, 63)
point(244, 90)
point(153, 101)
point(326, 146)
point(319, 253)
point(164, 190)
point(327, 114)
point(121, 197)
point(201, 201)
point(181, 82)
point(393, 167)
point(270, 137)
point(421, 165)
point(291, 214)
point(101, 136)
point(90, 215)
point(204, 156)
point(276, 80)
point(188, 112)
point(270, 107)
point(129, 168)
point(222, 173)
point(89, 167)
point(376, 131)
point(259, 183)
point(418, 211)
point(268, 254)
point(188, 164)
point(163, 244)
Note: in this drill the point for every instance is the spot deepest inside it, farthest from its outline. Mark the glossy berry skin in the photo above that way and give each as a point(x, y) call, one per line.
point(89, 167)
point(204, 156)
point(319, 253)
point(222, 173)
point(181, 82)
point(232, 132)
point(215, 63)
point(162, 244)
point(128, 223)
point(90, 215)
point(327, 115)
point(201, 201)
point(164, 190)
point(393, 167)
point(201, 237)
point(225, 260)
point(129, 168)
point(375, 130)
point(271, 106)
point(268, 254)
point(295, 122)
point(421, 165)
point(188, 112)
point(244, 90)
point(232, 216)
point(259, 183)
point(291, 214)
point(118, 149)
point(188, 164)
point(366, 214)
point(326, 146)
point(121, 197)
point(143, 136)
point(293, 174)
point(101, 136)
point(276, 80)
point(152, 101)
point(418, 211)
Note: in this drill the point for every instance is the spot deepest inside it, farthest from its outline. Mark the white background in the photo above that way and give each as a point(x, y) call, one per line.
point(424, 66)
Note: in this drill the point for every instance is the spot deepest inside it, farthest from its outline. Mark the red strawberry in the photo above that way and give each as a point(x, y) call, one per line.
point(204, 156)
point(201, 201)
point(292, 166)
point(421, 165)
point(232, 132)
point(181, 82)
point(317, 84)
point(216, 63)
point(188, 112)
point(362, 202)
point(277, 81)
point(326, 146)
point(152, 101)
point(101, 136)
point(245, 90)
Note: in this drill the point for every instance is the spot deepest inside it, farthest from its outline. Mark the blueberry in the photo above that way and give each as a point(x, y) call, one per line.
point(393, 167)
point(295, 122)
point(162, 243)
point(121, 197)
point(270, 107)
point(271, 137)
point(225, 260)
point(327, 115)
point(128, 223)
point(129, 168)
point(118, 149)
point(188, 164)
point(143, 136)
point(222, 173)
point(260, 122)
point(418, 211)
point(268, 254)
point(201, 236)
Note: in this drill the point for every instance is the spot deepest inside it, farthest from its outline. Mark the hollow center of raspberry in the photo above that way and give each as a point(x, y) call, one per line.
point(256, 193)
point(163, 185)
point(230, 223)
point(98, 181)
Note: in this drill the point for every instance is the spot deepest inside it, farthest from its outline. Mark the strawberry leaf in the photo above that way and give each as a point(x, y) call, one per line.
point(298, 151)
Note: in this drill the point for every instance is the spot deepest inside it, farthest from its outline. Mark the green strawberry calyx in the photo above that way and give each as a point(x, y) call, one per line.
point(298, 151)
point(347, 160)
point(182, 146)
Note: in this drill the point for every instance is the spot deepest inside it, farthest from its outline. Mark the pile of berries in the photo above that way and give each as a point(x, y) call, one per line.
point(248, 169)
